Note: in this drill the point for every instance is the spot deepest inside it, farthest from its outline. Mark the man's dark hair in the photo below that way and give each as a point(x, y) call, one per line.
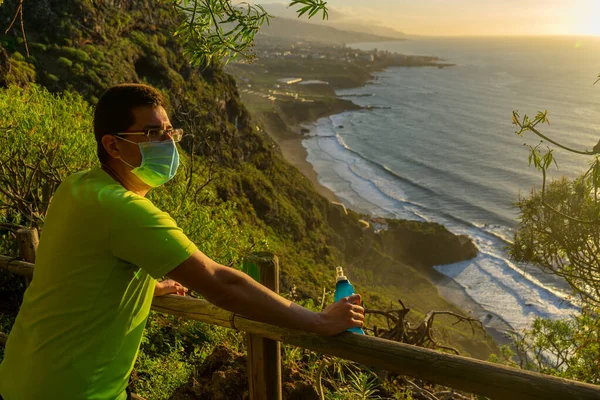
point(114, 111)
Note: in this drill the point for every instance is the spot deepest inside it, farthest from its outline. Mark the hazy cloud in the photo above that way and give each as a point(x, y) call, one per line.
point(472, 17)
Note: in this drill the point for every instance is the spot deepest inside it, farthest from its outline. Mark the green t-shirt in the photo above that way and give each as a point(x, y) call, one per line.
point(80, 326)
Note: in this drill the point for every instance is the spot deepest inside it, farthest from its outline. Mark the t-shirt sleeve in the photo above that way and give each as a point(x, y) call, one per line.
point(149, 238)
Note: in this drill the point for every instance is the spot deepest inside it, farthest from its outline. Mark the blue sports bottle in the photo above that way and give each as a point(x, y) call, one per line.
point(343, 288)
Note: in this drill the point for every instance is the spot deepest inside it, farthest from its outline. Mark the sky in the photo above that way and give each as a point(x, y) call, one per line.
point(475, 17)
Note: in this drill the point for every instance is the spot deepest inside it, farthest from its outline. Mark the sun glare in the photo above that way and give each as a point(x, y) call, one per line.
point(589, 23)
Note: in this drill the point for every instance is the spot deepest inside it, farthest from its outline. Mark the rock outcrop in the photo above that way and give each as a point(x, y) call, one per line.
point(425, 243)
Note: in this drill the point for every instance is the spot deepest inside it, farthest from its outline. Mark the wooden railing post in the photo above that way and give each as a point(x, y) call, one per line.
point(28, 243)
point(264, 355)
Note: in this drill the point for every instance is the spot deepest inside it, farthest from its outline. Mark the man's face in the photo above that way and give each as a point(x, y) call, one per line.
point(145, 117)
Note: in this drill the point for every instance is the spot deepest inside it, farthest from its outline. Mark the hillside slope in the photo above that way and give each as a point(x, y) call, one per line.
point(297, 29)
point(337, 19)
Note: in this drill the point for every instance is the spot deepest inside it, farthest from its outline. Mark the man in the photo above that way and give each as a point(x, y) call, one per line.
point(102, 247)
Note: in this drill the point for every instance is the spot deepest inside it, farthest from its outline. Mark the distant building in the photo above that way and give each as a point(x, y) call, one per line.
point(314, 82)
point(289, 81)
point(368, 57)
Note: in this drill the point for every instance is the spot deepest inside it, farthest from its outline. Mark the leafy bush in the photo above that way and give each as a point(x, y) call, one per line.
point(52, 78)
point(97, 55)
point(47, 138)
point(68, 52)
point(565, 348)
point(78, 69)
point(81, 55)
point(39, 47)
point(22, 72)
point(64, 62)
point(17, 56)
point(158, 377)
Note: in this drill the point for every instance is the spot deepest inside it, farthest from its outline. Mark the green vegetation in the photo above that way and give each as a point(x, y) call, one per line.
point(560, 225)
point(565, 348)
point(64, 62)
point(559, 233)
point(219, 31)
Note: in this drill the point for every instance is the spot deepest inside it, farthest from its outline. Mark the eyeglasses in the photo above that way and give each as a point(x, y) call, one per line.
point(157, 134)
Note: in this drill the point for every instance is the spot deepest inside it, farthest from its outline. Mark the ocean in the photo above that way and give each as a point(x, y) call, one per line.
point(438, 145)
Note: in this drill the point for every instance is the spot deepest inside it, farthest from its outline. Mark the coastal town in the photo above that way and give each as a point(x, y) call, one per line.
point(284, 70)
point(288, 50)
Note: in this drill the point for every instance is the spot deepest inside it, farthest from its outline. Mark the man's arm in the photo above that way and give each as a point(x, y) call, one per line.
point(235, 291)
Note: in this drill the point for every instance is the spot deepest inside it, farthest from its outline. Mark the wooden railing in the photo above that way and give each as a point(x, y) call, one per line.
point(471, 375)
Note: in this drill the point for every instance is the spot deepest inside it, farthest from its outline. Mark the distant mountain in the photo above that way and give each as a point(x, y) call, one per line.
point(371, 29)
point(337, 20)
point(296, 30)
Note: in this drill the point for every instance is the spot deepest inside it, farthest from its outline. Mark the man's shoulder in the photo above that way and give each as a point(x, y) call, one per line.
point(117, 198)
point(96, 189)
point(95, 185)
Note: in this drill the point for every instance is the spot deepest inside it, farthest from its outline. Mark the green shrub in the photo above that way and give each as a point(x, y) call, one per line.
point(97, 55)
point(39, 122)
point(22, 73)
point(68, 52)
point(8, 42)
point(52, 79)
point(566, 348)
point(93, 77)
point(158, 377)
point(64, 62)
point(17, 56)
point(82, 56)
point(78, 68)
point(38, 46)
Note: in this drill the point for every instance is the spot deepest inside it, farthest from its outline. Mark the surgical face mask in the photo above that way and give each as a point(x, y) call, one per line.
point(160, 161)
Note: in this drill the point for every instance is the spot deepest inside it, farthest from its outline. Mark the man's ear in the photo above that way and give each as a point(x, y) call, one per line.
point(109, 142)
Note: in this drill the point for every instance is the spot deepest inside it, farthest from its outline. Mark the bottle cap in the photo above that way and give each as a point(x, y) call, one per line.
point(339, 274)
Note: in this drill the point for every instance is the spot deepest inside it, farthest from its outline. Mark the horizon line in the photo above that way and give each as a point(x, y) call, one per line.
point(579, 35)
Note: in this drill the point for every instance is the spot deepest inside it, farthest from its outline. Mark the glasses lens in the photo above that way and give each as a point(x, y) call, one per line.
point(176, 134)
point(154, 134)
point(158, 135)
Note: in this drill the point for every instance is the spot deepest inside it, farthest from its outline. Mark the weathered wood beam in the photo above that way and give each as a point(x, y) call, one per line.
point(16, 267)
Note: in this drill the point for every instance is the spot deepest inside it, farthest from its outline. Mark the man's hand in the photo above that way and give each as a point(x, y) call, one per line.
point(338, 317)
point(169, 286)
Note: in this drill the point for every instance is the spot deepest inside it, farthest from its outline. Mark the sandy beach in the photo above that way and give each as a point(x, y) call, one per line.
point(289, 141)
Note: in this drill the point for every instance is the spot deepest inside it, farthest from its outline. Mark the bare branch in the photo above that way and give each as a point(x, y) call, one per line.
point(19, 13)
point(420, 390)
